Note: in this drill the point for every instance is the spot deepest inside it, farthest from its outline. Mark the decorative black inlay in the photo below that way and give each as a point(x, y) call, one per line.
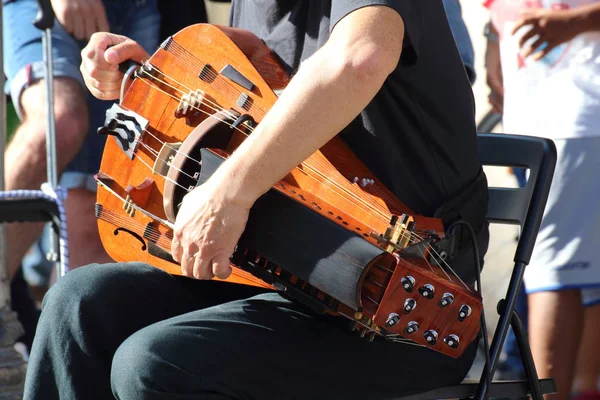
point(98, 210)
point(233, 74)
point(208, 74)
point(241, 101)
point(148, 230)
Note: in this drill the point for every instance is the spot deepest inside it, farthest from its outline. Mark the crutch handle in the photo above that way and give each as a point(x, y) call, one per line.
point(45, 16)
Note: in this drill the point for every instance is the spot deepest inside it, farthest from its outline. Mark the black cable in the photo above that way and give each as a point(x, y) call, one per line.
point(486, 344)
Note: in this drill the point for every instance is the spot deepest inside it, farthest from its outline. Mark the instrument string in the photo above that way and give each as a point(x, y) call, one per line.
point(170, 147)
point(370, 206)
point(152, 234)
point(155, 235)
point(213, 79)
point(366, 205)
point(443, 261)
point(165, 177)
point(189, 59)
point(216, 107)
point(413, 238)
point(190, 91)
point(156, 154)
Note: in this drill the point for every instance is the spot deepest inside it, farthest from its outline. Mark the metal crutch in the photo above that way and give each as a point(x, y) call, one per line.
point(44, 21)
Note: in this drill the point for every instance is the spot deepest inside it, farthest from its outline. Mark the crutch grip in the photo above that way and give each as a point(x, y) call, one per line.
point(45, 16)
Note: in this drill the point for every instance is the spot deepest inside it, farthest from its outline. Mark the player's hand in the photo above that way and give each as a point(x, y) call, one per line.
point(100, 61)
point(549, 29)
point(81, 18)
point(493, 67)
point(207, 229)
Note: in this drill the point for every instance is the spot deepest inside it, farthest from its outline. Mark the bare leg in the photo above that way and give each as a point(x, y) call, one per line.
point(26, 154)
point(85, 246)
point(588, 360)
point(555, 326)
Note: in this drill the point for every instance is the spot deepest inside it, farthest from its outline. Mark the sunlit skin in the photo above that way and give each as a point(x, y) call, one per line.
point(328, 91)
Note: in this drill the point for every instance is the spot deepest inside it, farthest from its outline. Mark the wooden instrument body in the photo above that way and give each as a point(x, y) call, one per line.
point(325, 182)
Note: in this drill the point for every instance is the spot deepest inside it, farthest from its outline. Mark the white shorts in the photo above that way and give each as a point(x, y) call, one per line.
point(568, 245)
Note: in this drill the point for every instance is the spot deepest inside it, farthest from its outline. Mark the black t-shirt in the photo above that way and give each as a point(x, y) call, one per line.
point(418, 134)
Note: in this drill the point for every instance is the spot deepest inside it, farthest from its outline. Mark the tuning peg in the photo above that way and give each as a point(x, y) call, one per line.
point(431, 337)
point(464, 312)
point(446, 300)
point(408, 283)
point(409, 305)
point(427, 291)
point(452, 341)
point(392, 320)
point(411, 328)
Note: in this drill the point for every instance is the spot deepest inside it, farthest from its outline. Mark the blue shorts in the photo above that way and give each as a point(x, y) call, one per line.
point(23, 65)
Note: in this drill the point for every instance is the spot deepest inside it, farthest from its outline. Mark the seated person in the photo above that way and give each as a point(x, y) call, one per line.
point(77, 114)
point(384, 73)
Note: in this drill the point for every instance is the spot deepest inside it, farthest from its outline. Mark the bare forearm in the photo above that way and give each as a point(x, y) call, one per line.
point(588, 17)
point(328, 92)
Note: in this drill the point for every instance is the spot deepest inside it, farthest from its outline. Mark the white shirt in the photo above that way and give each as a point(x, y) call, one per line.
point(557, 97)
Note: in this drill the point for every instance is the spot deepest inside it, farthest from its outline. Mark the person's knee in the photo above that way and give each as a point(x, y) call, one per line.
point(135, 367)
point(66, 301)
point(82, 294)
point(153, 361)
point(75, 287)
point(71, 116)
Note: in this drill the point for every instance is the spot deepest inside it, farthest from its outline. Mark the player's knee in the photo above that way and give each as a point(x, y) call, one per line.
point(133, 369)
point(75, 287)
point(65, 302)
point(70, 113)
point(147, 363)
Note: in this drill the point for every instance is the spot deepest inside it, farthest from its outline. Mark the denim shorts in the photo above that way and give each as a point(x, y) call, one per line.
point(23, 65)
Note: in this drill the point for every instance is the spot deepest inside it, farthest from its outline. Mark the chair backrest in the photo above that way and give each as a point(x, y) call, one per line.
point(525, 206)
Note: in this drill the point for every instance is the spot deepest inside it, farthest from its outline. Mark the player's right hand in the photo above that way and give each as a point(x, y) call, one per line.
point(100, 63)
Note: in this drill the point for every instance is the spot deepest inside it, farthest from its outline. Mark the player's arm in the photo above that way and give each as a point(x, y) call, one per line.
point(329, 90)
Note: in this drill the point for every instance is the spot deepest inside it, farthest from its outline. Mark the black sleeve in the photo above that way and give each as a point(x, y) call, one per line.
point(407, 10)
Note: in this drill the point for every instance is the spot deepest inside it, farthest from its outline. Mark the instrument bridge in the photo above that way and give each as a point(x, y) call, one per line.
point(398, 235)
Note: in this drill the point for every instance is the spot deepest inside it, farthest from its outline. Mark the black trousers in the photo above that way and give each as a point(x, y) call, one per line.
point(134, 332)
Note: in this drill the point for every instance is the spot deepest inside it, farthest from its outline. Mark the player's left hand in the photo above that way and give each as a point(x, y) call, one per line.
point(208, 226)
point(550, 28)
